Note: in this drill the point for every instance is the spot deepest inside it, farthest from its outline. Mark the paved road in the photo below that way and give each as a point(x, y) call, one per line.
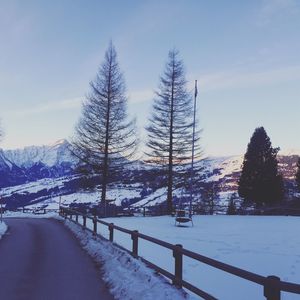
point(41, 260)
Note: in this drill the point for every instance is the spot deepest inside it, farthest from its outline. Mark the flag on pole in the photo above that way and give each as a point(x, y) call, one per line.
point(196, 89)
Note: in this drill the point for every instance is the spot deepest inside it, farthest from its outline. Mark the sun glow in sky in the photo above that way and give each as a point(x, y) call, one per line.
point(245, 55)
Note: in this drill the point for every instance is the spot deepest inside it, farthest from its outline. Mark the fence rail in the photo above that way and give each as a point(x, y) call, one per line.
point(272, 285)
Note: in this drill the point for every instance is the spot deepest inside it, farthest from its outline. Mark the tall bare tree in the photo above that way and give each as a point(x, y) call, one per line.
point(170, 130)
point(104, 138)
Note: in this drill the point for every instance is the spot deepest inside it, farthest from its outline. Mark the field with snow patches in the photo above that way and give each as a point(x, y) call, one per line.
point(263, 245)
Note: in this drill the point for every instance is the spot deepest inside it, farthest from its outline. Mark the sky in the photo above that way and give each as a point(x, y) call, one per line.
point(244, 54)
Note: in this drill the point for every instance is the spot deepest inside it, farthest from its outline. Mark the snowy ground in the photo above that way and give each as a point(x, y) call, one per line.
point(128, 278)
point(117, 193)
point(263, 245)
point(121, 271)
point(3, 229)
point(35, 186)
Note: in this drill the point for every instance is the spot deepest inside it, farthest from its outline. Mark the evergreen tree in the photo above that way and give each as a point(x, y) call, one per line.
point(231, 210)
point(104, 138)
point(211, 198)
point(260, 182)
point(171, 124)
point(298, 174)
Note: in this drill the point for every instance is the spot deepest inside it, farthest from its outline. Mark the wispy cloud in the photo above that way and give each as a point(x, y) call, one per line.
point(273, 8)
point(66, 104)
point(243, 79)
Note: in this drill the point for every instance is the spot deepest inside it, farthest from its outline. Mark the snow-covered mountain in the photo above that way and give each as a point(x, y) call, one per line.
point(48, 155)
point(35, 162)
point(35, 173)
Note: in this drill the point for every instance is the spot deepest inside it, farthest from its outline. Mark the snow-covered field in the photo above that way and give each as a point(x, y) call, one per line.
point(35, 186)
point(263, 245)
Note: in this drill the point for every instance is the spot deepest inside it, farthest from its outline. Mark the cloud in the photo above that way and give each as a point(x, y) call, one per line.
point(242, 79)
point(66, 104)
point(270, 9)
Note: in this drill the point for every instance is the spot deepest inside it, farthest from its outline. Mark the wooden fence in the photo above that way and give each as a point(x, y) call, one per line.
point(272, 285)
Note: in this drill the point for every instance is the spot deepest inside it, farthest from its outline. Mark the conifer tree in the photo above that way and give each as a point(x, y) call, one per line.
point(231, 210)
point(104, 138)
point(260, 182)
point(211, 198)
point(298, 174)
point(170, 125)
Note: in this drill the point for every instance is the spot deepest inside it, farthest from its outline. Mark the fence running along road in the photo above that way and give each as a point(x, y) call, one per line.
point(272, 285)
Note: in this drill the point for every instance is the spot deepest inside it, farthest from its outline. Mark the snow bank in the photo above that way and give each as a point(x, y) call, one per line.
point(128, 278)
point(3, 228)
point(19, 214)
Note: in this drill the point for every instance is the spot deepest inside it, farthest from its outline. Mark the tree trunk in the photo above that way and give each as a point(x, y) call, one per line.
point(170, 168)
point(105, 162)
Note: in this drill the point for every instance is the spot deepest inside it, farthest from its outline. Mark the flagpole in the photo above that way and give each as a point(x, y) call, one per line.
point(193, 149)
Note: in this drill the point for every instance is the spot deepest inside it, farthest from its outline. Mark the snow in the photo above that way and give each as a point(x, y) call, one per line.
point(265, 245)
point(225, 165)
point(20, 214)
point(157, 197)
point(35, 186)
point(262, 245)
point(120, 193)
point(117, 193)
point(49, 155)
point(3, 228)
point(128, 278)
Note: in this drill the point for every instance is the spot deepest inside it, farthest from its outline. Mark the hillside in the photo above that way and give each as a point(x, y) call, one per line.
point(40, 174)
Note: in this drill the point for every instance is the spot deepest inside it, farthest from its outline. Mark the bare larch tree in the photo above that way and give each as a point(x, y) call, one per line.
point(170, 129)
point(105, 140)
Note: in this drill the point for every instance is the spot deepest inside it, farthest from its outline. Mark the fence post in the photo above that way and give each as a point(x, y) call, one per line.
point(144, 211)
point(84, 221)
point(177, 254)
point(76, 217)
point(95, 225)
point(111, 231)
point(271, 288)
point(134, 237)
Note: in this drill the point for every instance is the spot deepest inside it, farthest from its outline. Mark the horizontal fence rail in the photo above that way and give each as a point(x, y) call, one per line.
point(272, 285)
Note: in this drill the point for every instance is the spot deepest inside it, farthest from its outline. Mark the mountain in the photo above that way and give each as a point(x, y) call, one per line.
point(36, 162)
point(48, 155)
point(37, 173)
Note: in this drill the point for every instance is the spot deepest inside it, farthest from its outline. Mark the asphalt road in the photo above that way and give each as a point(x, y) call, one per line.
point(41, 260)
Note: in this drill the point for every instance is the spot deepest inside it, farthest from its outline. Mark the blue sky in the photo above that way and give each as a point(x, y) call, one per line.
point(245, 55)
